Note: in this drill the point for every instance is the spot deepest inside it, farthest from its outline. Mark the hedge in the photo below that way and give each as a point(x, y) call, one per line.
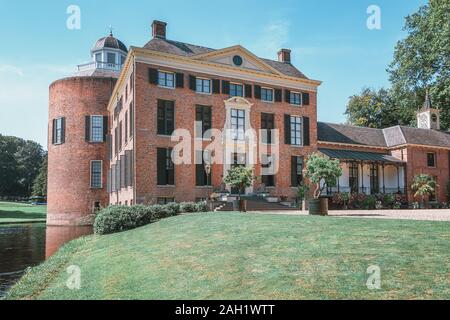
point(120, 218)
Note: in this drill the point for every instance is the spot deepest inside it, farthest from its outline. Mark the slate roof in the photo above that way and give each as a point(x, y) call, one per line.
point(359, 155)
point(110, 42)
point(187, 50)
point(389, 137)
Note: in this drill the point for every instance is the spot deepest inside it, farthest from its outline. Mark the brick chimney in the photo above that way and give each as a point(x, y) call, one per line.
point(284, 55)
point(159, 29)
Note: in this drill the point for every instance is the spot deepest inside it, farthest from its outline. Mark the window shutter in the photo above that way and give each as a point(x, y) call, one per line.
point(192, 82)
point(131, 167)
point(113, 178)
point(248, 90)
point(117, 173)
point(216, 86)
point(109, 146)
point(87, 128)
point(225, 87)
point(278, 94)
point(287, 129)
point(170, 173)
point(305, 98)
point(306, 131)
point(179, 80)
point(105, 127)
point(108, 181)
point(122, 171)
point(131, 120)
point(199, 169)
point(53, 131)
point(287, 96)
point(294, 171)
point(63, 130)
point(257, 92)
point(153, 76)
point(161, 166)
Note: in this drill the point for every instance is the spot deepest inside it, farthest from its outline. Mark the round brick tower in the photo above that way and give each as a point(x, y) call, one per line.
point(77, 128)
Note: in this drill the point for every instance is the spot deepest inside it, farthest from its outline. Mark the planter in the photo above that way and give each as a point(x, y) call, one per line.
point(318, 206)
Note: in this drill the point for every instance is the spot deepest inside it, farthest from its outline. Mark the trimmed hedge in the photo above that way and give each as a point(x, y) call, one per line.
point(120, 218)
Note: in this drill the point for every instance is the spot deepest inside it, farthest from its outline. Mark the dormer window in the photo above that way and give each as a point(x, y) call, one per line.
point(111, 58)
point(98, 57)
point(236, 90)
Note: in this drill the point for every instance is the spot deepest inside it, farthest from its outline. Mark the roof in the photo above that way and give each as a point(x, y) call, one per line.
point(339, 133)
point(109, 42)
point(359, 155)
point(388, 137)
point(94, 72)
point(187, 50)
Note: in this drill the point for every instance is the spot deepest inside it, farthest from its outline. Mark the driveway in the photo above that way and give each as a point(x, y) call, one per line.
point(427, 214)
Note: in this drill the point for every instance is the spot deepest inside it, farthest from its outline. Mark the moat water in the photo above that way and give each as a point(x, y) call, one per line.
point(27, 245)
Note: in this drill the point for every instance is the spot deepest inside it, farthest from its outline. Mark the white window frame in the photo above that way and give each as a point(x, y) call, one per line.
point(267, 89)
point(58, 131)
point(300, 98)
point(238, 133)
point(91, 131)
point(202, 85)
point(101, 174)
point(237, 84)
point(173, 79)
point(300, 136)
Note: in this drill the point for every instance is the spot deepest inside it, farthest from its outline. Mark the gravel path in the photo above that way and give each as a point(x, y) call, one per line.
point(427, 214)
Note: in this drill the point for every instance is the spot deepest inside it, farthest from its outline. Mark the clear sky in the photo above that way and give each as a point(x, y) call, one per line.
point(329, 40)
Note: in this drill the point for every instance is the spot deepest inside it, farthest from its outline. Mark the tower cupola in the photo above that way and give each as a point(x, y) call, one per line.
point(427, 116)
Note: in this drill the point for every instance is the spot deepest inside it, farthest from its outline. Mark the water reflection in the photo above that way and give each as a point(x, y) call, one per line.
point(27, 245)
point(56, 236)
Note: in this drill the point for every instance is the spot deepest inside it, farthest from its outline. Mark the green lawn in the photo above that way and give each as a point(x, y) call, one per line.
point(252, 256)
point(12, 212)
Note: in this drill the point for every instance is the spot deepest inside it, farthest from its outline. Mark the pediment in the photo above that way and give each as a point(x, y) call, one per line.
point(225, 57)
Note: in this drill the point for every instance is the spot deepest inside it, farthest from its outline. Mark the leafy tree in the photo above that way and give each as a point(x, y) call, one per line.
point(240, 177)
point(320, 169)
point(40, 183)
point(422, 60)
point(423, 185)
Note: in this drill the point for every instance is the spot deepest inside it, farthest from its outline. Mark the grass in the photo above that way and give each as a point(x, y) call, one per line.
point(13, 212)
point(251, 256)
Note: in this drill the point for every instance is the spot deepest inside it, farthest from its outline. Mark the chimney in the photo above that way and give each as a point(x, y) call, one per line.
point(284, 55)
point(159, 29)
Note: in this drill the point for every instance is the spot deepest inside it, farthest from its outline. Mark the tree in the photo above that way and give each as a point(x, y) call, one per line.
point(322, 170)
point(240, 177)
point(422, 61)
point(19, 165)
point(375, 109)
point(40, 183)
point(423, 185)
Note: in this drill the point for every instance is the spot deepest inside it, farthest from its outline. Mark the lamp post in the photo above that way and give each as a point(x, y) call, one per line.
point(208, 171)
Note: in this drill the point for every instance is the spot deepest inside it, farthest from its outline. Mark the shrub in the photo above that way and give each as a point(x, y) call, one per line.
point(173, 208)
point(388, 200)
point(201, 206)
point(188, 207)
point(369, 202)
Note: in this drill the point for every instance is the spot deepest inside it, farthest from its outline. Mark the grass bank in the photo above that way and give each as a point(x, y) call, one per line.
point(12, 212)
point(251, 256)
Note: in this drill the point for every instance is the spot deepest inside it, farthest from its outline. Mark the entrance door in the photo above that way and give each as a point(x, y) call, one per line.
point(238, 161)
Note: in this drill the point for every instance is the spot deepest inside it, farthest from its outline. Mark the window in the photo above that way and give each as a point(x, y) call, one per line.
point(296, 171)
point(166, 79)
point(203, 115)
point(431, 159)
point(165, 200)
point(374, 185)
point(131, 120)
point(236, 90)
point(266, 94)
point(237, 124)
point(296, 98)
point(166, 117)
point(98, 57)
point(267, 124)
point(97, 206)
point(203, 85)
point(353, 176)
point(120, 136)
point(111, 58)
point(126, 127)
point(58, 131)
point(296, 130)
point(267, 176)
point(202, 177)
point(166, 170)
point(96, 174)
point(122, 60)
point(96, 129)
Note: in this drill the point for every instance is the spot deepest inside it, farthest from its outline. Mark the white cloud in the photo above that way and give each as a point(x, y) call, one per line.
point(274, 36)
point(10, 69)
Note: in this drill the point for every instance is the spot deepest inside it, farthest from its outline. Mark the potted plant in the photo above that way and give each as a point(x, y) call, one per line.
point(302, 193)
point(240, 177)
point(321, 170)
point(423, 185)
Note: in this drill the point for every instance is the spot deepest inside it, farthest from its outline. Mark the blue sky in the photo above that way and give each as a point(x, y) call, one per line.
point(328, 38)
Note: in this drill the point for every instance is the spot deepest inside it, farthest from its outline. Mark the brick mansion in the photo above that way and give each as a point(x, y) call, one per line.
point(111, 130)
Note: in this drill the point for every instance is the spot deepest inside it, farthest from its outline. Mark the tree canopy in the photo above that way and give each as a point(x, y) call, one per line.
point(421, 62)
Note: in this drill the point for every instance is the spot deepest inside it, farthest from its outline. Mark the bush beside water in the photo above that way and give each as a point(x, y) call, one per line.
point(120, 218)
